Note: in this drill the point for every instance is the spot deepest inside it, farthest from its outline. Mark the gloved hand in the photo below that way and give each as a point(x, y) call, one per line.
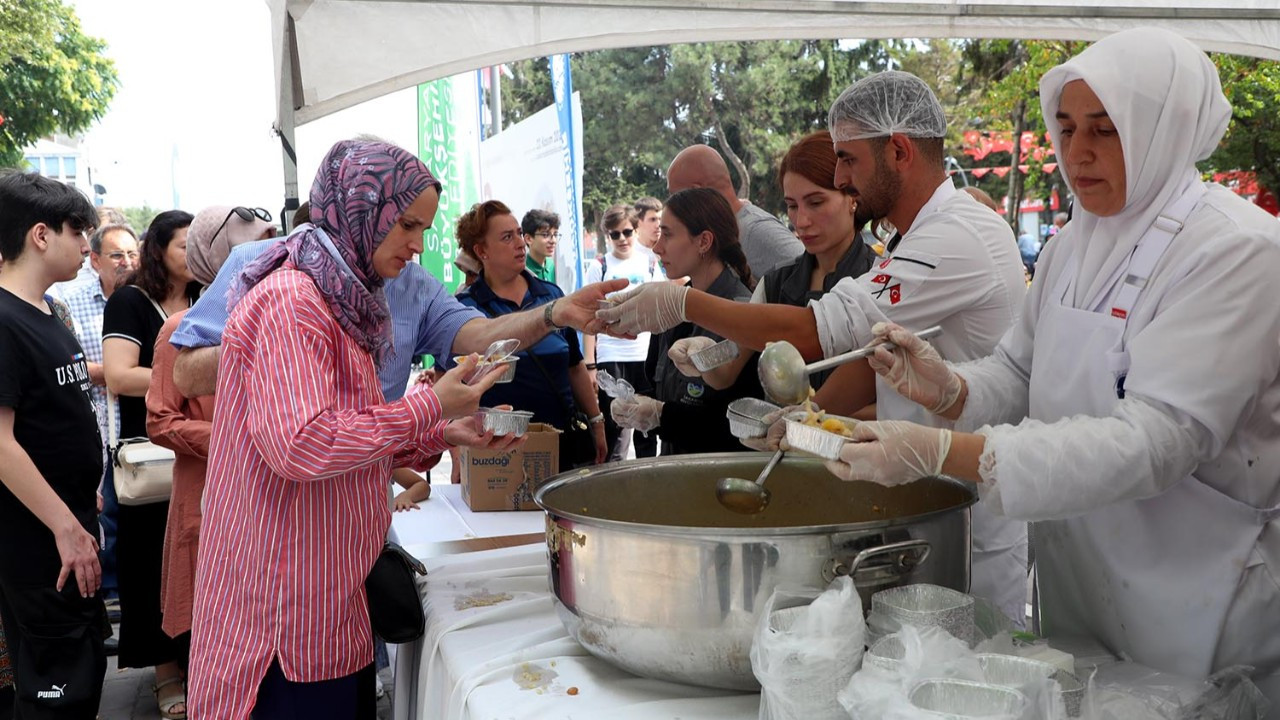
point(638, 412)
point(652, 307)
point(892, 452)
point(772, 440)
point(685, 347)
point(915, 369)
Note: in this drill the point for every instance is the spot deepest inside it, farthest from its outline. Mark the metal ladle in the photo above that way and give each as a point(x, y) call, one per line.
point(785, 377)
point(745, 496)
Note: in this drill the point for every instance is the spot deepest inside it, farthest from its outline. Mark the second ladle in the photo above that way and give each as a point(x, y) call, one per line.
point(785, 377)
point(745, 496)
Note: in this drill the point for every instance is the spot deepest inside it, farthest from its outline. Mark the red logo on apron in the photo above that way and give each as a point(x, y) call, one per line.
point(885, 264)
point(1117, 312)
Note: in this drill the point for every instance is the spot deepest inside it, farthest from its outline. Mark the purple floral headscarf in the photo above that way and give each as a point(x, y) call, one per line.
point(359, 193)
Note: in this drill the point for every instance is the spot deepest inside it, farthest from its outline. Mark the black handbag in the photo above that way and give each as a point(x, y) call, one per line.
point(395, 610)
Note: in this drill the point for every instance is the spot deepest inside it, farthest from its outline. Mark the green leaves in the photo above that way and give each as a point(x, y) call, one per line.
point(53, 77)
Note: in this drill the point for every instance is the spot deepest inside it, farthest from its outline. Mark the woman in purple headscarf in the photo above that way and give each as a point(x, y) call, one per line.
point(296, 498)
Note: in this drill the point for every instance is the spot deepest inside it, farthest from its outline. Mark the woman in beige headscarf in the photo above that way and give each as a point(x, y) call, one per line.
point(1134, 409)
point(184, 424)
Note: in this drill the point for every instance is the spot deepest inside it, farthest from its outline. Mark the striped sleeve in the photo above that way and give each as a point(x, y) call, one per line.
point(295, 378)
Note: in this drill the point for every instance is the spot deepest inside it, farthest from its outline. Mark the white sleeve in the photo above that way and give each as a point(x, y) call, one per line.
point(595, 272)
point(1202, 357)
point(844, 317)
point(757, 295)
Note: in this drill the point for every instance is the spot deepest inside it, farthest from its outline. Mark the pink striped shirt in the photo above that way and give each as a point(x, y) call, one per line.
point(295, 499)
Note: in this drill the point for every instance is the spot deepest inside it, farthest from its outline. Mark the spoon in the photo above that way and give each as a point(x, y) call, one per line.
point(785, 377)
point(500, 350)
point(745, 496)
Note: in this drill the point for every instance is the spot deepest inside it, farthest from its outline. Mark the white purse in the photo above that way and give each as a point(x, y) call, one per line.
point(143, 471)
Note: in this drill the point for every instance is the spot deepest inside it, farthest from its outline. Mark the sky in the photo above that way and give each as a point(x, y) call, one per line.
point(190, 125)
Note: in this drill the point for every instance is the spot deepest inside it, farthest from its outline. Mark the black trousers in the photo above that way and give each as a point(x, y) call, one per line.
point(55, 644)
point(352, 697)
point(620, 440)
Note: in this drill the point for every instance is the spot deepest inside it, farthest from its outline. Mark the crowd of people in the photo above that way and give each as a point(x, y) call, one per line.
point(279, 371)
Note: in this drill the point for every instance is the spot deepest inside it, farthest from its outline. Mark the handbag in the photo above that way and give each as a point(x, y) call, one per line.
point(143, 471)
point(395, 609)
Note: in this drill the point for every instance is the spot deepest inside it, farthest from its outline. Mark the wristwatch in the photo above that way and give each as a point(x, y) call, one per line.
point(599, 418)
point(546, 316)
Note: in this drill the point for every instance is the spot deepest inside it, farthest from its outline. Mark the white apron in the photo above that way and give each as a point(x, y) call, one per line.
point(999, 552)
point(1152, 579)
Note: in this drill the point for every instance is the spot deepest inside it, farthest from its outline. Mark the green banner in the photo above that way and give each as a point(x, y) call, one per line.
point(448, 144)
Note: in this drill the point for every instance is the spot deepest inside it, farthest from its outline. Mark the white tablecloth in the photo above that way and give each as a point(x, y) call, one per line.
point(495, 649)
point(444, 516)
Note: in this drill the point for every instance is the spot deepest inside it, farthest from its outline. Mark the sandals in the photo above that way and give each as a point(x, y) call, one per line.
point(167, 703)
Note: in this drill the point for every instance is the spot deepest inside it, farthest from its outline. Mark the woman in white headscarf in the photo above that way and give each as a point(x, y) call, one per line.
point(1134, 408)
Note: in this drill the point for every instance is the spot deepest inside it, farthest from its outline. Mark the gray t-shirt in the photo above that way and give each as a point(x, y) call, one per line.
point(766, 241)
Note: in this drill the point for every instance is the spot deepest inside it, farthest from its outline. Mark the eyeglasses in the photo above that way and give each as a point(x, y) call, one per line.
point(119, 257)
point(625, 232)
point(547, 234)
point(245, 214)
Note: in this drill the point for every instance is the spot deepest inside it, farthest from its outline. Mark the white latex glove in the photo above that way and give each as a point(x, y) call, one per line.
point(892, 452)
point(638, 412)
point(915, 369)
point(652, 307)
point(772, 440)
point(682, 349)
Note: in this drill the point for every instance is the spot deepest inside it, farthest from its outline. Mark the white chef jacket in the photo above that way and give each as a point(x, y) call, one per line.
point(958, 266)
point(1202, 398)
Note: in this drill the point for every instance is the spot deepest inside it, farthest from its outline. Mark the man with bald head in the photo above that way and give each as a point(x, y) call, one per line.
point(766, 242)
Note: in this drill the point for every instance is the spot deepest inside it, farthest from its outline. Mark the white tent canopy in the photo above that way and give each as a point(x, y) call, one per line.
point(332, 54)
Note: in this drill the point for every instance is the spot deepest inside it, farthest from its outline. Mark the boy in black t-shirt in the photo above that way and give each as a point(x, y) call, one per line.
point(50, 459)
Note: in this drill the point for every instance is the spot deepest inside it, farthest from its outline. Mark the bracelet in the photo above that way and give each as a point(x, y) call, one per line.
point(599, 418)
point(591, 366)
point(546, 316)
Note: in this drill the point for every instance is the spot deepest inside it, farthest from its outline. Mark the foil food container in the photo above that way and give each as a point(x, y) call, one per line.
point(714, 356)
point(954, 699)
point(746, 417)
point(503, 422)
point(924, 605)
point(815, 440)
point(885, 654)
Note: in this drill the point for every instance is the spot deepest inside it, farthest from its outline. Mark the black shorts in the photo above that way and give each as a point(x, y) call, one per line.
point(55, 643)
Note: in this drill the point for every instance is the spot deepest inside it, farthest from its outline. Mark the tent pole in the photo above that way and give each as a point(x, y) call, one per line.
point(495, 100)
point(289, 82)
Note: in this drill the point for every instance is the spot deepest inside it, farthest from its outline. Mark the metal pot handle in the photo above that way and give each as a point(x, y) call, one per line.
point(908, 555)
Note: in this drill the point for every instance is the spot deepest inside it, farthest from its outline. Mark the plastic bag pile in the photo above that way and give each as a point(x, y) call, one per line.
point(810, 659)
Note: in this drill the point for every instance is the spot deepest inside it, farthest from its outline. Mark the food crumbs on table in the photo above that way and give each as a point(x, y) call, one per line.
point(875, 508)
point(480, 598)
point(572, 691)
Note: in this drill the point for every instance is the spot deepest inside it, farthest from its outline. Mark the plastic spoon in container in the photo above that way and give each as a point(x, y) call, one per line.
point(747, 496)
point(785, 377)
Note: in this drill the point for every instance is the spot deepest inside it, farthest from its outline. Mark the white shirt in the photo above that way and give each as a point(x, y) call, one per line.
point(637, 269)
point(957, 266)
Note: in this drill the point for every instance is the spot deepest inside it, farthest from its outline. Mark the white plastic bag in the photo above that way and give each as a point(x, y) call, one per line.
point(1130, 691)
point(807, 644)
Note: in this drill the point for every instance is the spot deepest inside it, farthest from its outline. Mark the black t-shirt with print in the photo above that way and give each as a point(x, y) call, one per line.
point(44, 379)
point(130, 315)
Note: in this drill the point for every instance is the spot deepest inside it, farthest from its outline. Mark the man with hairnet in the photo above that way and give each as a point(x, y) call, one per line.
point(952, 263)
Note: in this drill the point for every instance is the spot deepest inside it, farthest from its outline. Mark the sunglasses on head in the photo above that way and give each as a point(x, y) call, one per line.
point(245, 214)
point(617, 234)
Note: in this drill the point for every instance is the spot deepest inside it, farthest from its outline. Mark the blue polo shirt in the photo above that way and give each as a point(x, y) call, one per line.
point(424, 316)
point(546, 394)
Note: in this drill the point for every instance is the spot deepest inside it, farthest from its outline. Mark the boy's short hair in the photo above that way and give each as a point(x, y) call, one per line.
point(536, 220)
point(646, 205)
point(27, 199)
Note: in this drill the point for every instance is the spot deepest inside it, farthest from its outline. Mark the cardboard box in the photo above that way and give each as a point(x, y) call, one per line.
point(507, 479)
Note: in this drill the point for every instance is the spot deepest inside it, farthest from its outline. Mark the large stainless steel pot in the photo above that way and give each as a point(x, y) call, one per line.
point(652, 574)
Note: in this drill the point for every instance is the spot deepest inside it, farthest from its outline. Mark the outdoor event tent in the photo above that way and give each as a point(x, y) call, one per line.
point(332, 54)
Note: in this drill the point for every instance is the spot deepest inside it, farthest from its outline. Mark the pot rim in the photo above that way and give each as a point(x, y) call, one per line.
point(761, 532)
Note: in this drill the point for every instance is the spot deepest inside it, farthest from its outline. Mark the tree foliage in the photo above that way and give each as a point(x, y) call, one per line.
point(1253, 138)
point(140, 217)
point(53, 77)
point(641, 106)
